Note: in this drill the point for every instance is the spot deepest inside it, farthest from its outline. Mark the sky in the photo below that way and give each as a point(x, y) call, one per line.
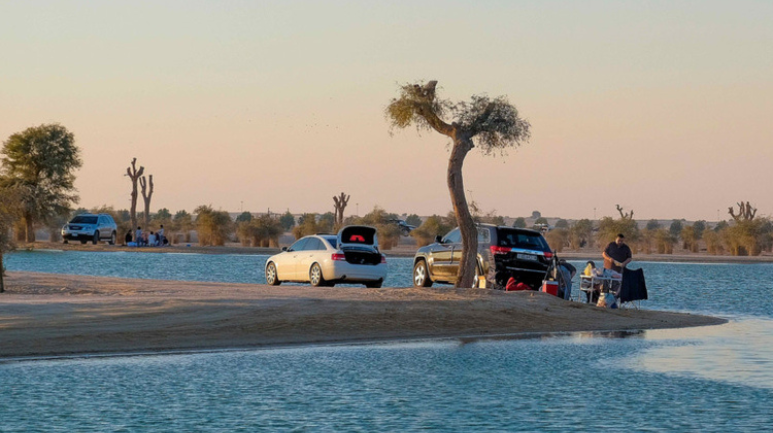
point(662, 107)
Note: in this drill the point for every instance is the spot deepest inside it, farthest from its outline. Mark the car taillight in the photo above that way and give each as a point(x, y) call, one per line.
point(383, 258)
point(499, 250)
point(338, 257)
point(548, 255)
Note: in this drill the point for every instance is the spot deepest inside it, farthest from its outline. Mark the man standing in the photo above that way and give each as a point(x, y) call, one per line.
point(617, 255)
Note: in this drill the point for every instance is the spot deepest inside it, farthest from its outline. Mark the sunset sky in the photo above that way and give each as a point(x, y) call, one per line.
point(663, 107)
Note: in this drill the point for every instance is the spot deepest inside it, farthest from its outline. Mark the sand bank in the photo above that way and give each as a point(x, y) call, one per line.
point(49, 314)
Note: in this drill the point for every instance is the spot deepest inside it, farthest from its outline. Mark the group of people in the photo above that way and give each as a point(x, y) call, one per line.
point(617, 255)
point(144, 238)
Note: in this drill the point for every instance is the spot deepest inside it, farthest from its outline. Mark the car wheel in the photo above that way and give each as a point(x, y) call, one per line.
point(96, 238)
point(112, 239)
point(271, 275)
point(315, 276)
point(374, 285)
point(421, 275)
point(83, 241)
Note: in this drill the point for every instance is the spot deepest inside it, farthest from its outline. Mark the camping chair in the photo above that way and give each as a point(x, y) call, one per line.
point(633, 288)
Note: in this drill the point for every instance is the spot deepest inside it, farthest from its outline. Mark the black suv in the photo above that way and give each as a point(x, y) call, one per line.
point(520, 253)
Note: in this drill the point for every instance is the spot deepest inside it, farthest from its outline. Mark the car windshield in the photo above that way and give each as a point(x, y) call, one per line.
point(81, 219)
point(522, 239)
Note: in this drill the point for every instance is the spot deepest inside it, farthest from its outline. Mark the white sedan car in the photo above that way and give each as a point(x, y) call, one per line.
point(324, 260)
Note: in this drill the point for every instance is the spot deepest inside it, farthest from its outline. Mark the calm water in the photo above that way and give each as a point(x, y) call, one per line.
point(704, 379)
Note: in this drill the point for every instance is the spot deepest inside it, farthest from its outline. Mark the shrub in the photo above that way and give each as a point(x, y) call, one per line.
point(433, 226)
point(213, 227)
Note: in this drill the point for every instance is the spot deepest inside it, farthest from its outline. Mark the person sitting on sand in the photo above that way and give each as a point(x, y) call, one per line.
point(152, 240)
point(128, 238)
point(160, 235)
point(138, 236)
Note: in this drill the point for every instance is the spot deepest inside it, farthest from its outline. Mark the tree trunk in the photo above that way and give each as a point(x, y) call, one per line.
point(468, 262)
point(30, 229)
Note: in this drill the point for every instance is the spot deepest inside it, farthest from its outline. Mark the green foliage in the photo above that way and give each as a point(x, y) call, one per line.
point(580, 234)
point(562, 224)
point(327, 219)
point(244, 217)
point(413, 220)
point(540, 221)
point(288, 221)
point(308, 225)
point(664, 241)
point(180, 227)
point(163, 214)
point(720, 226)
point(689, 239)
point(41, 160)
point(263, 231)
point(557, 239)
point(213, 227)
point(676, 228)
point(699, 227)
point(609, 228)
point(79, 211)
point(388, 233)
point(714, 244)
point(432, 226)
point(10, 212)
point(536, 214)
point(653, 224)
point(519, 223)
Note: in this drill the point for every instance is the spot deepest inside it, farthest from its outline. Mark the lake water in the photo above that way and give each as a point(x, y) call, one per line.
point(716, 378)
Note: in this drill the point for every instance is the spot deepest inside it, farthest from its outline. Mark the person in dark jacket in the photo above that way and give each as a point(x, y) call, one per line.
point(617, 254)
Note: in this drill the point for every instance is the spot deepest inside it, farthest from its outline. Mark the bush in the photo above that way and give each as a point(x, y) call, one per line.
point(557, 238)
point(609, 228)
point(434, 226)
point(213, 227)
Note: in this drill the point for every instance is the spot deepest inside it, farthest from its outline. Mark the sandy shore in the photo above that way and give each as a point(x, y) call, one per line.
point(49, 315)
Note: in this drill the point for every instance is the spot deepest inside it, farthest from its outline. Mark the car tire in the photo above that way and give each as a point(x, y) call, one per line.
point(272, 277)
point(96, 238)
point(315, 276)
point(421, 276)
point(83, 241)
point(374, 285)
point(112, 239)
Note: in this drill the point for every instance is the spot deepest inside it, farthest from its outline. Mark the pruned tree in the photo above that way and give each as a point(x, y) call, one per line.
point(134, 175)
point(41, 161)
point(340, 204)
point(147, 194)
point(624, 215)
point(745, 212)
point(492, 124)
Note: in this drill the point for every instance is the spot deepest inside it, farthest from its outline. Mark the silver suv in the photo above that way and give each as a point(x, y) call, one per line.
point(89, 227)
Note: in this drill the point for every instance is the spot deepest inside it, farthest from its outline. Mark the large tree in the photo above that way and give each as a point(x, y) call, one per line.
point(10, 211)
point(134, 176)
point(491, 124)
point(41, 160)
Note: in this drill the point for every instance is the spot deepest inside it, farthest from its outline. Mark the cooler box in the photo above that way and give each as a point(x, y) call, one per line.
point(550, 287)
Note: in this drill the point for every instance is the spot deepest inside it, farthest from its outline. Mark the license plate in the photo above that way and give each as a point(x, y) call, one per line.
point(528, 257)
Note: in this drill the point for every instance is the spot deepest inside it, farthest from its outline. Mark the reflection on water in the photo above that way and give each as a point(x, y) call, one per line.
point(738, 352)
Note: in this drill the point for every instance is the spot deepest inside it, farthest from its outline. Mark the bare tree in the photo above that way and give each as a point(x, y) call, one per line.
point(147, 193)
point(134, 175)
point(745, 212)
point(625, 216)
point(340, 204)
point(491, 124)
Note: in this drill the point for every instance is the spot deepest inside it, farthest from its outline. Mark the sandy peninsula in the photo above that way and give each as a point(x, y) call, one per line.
point(45, 315)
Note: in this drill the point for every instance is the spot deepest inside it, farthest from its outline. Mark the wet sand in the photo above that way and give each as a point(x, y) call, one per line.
point(53, 315)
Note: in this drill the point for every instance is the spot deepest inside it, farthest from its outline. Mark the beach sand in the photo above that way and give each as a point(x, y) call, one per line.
point(52, 315)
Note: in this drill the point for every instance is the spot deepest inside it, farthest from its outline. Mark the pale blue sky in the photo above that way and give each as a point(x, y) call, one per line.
point(662, 107)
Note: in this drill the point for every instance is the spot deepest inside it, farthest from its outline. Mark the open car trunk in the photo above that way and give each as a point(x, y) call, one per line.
point(359, 245)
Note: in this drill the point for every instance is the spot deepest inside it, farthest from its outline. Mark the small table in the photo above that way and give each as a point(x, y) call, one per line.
point(592, 281)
